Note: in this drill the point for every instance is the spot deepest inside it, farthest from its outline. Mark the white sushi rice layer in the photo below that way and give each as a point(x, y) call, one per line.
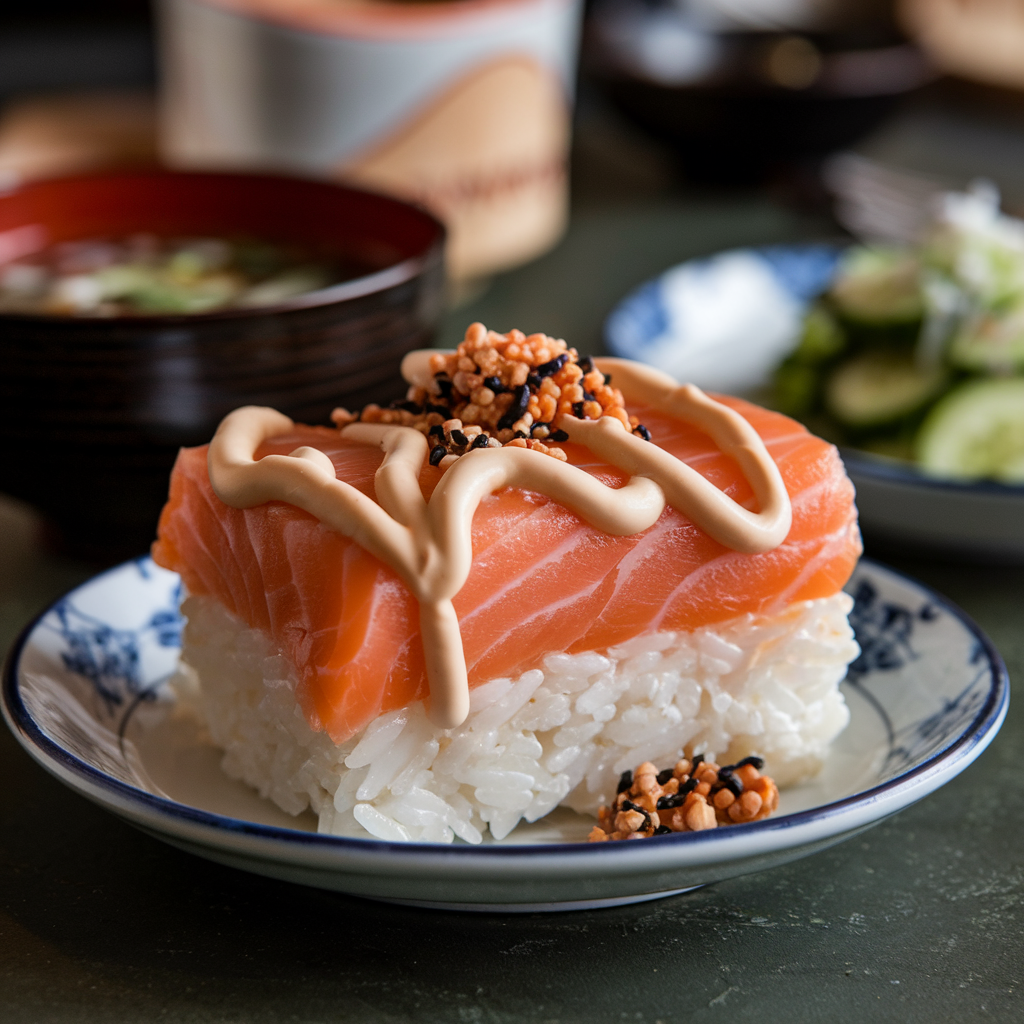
point(561, 733)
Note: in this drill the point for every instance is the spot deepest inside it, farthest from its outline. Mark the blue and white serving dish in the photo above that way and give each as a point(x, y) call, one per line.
point(725, 322)
point(84, 691)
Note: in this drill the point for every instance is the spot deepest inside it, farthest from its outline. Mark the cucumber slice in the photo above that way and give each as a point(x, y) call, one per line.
point(796, 388)
point(797, 385)
point(879, 287)
point(878, 389)
point(822, 339)
point(976, 432)
point(992, 344)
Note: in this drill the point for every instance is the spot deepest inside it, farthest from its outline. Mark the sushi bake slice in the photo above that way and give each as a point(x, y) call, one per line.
point(598, 614)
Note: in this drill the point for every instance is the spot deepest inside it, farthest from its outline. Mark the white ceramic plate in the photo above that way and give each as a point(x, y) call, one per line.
point(83, 693)
point(725, 322)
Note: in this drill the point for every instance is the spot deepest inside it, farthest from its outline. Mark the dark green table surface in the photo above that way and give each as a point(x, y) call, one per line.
point(921, 919)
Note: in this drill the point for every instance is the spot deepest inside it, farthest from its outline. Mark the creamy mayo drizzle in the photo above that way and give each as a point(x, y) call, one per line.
point(430, 545)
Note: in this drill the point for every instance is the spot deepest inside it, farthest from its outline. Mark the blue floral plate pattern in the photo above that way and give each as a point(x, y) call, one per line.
point(725, 321)
point(84, 692)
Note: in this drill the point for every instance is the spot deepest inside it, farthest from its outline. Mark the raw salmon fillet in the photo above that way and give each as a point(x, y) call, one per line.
point(542, 579)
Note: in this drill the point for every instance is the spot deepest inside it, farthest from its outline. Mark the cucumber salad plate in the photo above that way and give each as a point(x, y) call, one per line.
point(911, 359)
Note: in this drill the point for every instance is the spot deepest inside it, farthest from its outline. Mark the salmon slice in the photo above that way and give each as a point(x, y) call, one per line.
point(542, 579)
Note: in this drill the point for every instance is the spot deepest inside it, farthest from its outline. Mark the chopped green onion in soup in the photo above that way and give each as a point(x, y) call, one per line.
point(149, 276)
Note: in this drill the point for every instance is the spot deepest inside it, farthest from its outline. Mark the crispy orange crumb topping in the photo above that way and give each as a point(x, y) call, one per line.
point(690, 797)
point(502, 389)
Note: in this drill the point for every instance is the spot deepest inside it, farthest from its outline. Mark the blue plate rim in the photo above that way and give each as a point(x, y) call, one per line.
point(861, 461)
point(981, 730)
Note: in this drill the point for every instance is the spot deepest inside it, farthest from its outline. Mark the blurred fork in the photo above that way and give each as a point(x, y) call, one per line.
point(879, 204)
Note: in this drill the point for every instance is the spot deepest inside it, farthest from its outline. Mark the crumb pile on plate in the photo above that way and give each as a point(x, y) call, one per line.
point(692, 796)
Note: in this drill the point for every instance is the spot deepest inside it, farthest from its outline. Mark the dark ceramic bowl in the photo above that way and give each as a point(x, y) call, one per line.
point(93, 411)
point(736, 107)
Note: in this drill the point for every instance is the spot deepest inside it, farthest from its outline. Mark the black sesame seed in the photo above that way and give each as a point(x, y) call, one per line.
point(696, 760)
point(437, 453)
point(642, 431)
point(519, 433)
point(441, 410)
point(628, 805)
point(757, 762)
point(664, 776)
point(607, 378)
point(625, 781)
point(459, 438)
point(586, 364)
point(588, 396)
point(533, 380)
point(516, 409)
point(663, 830)
point(577, 410)
point(494, 383)
point(436, 431)
point(666, 803)
point(729, 781)
point(546, 369)
point(559, 435)
point(445, 387)
point(480, 441)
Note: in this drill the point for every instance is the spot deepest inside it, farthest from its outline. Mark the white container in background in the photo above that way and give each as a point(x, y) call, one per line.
point(463, 106)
